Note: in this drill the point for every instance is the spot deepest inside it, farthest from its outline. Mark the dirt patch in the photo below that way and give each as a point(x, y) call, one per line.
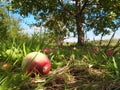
point(83, 79)
point(77, 78)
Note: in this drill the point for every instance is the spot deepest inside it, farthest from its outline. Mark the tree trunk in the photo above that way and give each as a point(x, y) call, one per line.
point(80, 30)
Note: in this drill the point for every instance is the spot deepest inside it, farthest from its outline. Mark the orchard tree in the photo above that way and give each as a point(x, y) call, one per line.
point(77, 16)
point(9, 26)
point(3, 24)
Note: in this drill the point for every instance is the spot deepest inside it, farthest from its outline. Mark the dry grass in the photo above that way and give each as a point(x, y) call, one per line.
point(79, 78)
point(82, 79)
point(105, 42)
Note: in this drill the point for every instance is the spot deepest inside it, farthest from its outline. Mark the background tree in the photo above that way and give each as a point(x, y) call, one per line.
point(78, 16)
point(9, 26)
point(3, 24)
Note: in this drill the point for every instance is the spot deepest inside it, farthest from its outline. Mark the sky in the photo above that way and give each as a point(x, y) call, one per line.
point(30, 20)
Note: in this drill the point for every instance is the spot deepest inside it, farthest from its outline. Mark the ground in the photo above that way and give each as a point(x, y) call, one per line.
point(77, 78)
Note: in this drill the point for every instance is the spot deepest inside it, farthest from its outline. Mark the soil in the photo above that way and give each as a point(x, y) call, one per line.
point(76, 78)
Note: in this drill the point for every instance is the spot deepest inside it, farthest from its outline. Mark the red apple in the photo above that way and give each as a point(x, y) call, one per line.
point(95, 49)
point(36, 62)
point(46, 50)
point(109, 52)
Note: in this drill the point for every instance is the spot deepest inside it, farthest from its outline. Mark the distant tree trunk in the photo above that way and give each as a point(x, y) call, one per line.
point(80, 30)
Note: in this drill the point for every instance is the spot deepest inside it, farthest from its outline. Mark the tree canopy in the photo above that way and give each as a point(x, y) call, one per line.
point(9, 26)
point(77, 16)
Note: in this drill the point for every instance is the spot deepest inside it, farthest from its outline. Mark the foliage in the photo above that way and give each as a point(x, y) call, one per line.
point(9, 26)
point(73, 67)
point(76, 16)
point(77, 60)
point(11, 55)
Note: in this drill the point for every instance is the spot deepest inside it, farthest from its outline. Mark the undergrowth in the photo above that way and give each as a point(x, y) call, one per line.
point(73, 67)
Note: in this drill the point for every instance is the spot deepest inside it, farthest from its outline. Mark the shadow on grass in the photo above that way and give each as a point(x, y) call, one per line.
point(83, 79)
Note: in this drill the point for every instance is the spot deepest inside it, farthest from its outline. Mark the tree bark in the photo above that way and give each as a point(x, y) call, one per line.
point(80, 30)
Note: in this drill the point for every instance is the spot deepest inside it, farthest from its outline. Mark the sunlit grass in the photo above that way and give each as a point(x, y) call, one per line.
point(81, 62)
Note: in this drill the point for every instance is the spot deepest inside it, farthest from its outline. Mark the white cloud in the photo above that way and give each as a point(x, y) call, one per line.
point(71, 40)
point(34, 29)
point(91, 36)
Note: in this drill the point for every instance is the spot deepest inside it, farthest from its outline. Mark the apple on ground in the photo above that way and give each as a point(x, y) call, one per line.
point(46, 50)
point(95, 49)
point(109, 52)
point(36, 63)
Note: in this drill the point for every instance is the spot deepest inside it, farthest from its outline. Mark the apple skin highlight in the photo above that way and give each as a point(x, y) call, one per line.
point(36, 63)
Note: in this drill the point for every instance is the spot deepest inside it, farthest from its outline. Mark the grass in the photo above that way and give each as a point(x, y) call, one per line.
point(73, 67)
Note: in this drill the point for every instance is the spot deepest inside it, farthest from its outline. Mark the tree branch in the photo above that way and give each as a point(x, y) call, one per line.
point(83, 7)
point(63, 5)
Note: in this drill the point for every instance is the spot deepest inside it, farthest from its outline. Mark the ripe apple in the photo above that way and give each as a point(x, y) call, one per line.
point(109, 52)
point(36, 63)
point(46, 50)
point(95, 49)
